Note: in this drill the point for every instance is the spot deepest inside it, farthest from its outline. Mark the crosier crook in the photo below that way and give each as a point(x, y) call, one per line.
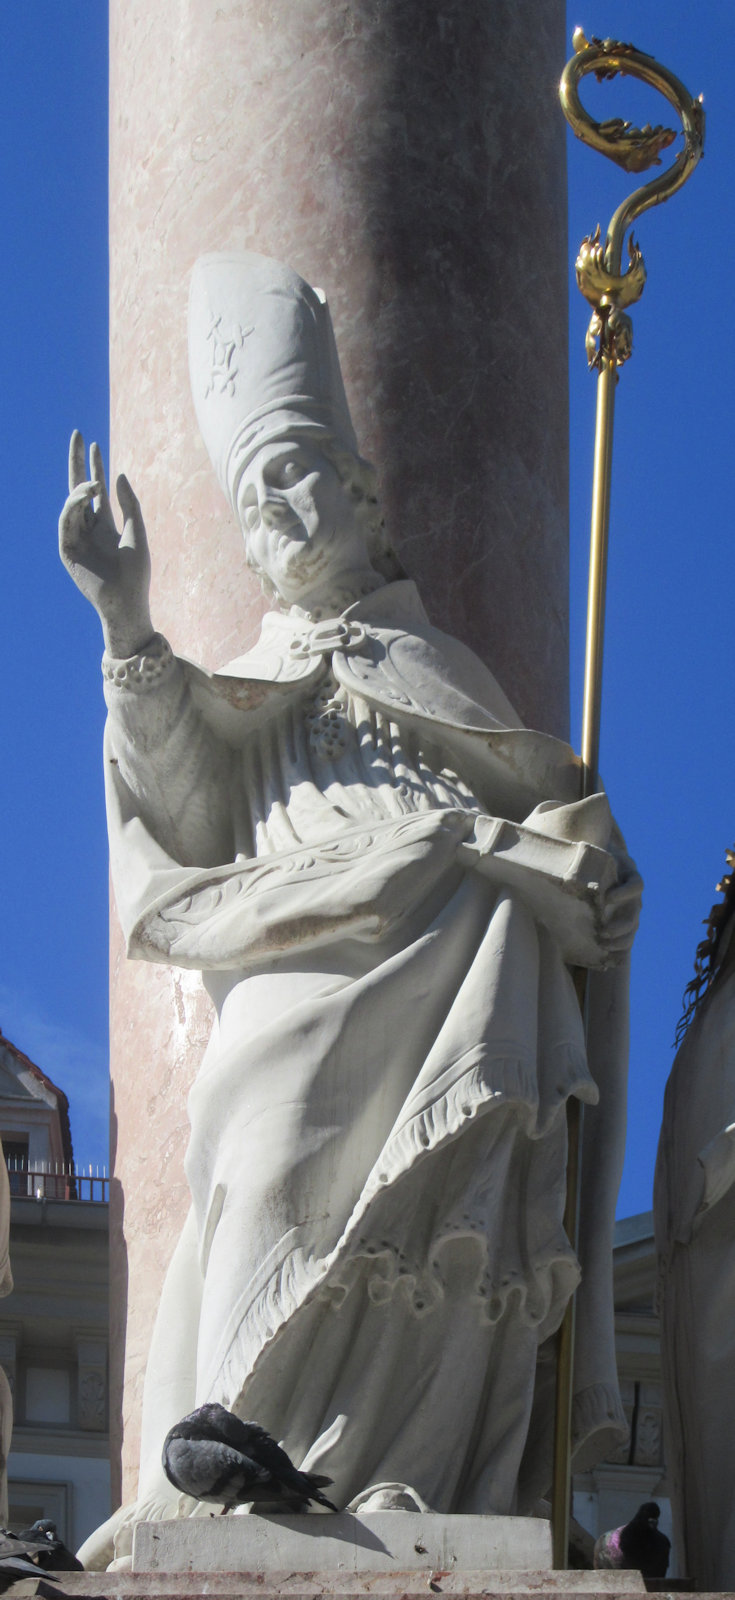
point(610, 291)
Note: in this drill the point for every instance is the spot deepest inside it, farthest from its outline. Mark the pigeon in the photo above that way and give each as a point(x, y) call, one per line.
point(212, 1455)
point(638, 1546)
point(15, 1568)
point(50, 1551)
point(18, 1557)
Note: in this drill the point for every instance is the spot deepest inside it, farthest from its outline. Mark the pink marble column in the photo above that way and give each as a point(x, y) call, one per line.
point(407, 156)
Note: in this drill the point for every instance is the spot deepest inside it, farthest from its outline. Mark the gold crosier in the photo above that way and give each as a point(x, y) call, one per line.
point(610, 292)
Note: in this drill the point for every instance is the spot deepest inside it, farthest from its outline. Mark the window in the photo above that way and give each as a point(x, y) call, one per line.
point(47, 1395)
point(28, 1502)
point(15, 1149)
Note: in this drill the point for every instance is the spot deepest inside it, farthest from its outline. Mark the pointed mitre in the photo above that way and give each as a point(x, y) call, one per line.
point(263, 361)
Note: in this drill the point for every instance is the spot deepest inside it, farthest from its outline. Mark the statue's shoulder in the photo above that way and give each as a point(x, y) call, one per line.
point(425, 677)
point(407, 662)
point(239, 697)
point(276, 656)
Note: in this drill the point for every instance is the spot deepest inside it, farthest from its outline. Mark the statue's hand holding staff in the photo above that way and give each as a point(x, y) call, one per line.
point(111, 569)
point(620, 913)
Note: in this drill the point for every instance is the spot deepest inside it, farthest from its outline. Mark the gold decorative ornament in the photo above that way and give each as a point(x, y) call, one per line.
point(609, 293)
point(609, 342)
point(635, 149)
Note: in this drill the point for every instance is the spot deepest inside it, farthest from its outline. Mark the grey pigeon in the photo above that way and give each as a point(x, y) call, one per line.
point(212, 1455)
point(18, 1558)
point(637, 1546)
point(50, 1551)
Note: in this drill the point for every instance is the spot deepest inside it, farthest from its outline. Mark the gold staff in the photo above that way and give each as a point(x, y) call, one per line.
point(610, 292)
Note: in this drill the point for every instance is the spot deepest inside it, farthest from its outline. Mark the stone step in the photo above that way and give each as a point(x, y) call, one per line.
point(410, 1585)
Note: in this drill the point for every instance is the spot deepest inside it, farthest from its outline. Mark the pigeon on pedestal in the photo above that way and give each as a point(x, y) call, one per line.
point(51, 1552)
point(212, 1455)
point(637, 1546)
point(36, 1549)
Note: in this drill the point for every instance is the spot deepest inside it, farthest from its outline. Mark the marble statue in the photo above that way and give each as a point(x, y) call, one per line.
point(694, 1213)
point(6, 1287)
point(382, 878)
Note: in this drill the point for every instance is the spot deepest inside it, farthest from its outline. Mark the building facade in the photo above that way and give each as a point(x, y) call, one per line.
point(611, 1493)
point(54, 1325)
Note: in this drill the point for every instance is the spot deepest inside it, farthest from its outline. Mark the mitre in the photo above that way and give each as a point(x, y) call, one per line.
point(263, 361)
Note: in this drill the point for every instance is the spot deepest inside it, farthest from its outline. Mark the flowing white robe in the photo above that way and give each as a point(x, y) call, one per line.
point(694, 1209)
point(375, 1262)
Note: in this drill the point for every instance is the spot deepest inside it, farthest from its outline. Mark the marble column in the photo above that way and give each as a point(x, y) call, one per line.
point(409, 158)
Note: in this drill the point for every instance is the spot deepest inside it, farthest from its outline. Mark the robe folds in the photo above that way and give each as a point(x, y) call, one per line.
point(374, 1263)
point(694, 1216)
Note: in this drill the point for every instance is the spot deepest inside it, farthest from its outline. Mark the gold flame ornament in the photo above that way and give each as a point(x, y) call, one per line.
point(610, 291)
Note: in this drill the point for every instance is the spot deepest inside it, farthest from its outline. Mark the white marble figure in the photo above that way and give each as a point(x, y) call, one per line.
point(381, 885)
point(694, 1211)
point(6, 1287)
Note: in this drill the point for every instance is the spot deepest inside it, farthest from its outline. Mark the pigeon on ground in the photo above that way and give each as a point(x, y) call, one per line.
point(212, 1455)
point(51, 1552)
point(637, 1546)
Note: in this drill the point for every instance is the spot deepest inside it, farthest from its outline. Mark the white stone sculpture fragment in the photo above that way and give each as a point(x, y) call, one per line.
point(6, 1287)
point(694, 1212)
point(382, 878)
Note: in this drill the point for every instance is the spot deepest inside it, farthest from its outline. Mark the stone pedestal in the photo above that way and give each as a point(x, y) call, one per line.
point(338, 1586)
point(381, 1541)
point(409, 158)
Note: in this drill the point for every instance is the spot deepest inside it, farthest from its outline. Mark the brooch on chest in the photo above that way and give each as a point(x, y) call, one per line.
point(329, 730)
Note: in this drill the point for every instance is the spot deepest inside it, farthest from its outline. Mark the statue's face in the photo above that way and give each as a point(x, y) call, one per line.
point(299, 520)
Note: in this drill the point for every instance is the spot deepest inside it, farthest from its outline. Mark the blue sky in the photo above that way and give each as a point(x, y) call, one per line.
point(53, 372)
point(666, 749)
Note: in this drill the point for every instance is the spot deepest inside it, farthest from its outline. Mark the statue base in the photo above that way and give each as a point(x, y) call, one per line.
point(379, 1541)
point(332, 1585)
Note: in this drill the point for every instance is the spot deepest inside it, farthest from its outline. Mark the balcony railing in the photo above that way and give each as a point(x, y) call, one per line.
point(57, 1180)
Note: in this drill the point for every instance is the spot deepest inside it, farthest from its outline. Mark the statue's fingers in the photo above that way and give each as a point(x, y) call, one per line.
point(134, 531)
point(625, 916)
point(129, 503)
point(624, 900)
point(97, 469)
point(72, 517)
point(81, 495)
point(618, 946)
point(620, 935)
point(77, 467)
point(619, 930)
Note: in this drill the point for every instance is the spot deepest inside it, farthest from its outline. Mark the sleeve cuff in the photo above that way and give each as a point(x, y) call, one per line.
point(140, 672)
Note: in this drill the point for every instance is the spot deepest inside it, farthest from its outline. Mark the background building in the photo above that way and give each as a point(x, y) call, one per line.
point(611, 1493)
point(54, 1326)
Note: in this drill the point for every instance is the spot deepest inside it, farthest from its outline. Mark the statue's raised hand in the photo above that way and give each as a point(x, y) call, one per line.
point(112, 569)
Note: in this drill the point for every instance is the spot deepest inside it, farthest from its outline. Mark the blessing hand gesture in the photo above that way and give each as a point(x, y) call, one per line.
point(111, 569)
